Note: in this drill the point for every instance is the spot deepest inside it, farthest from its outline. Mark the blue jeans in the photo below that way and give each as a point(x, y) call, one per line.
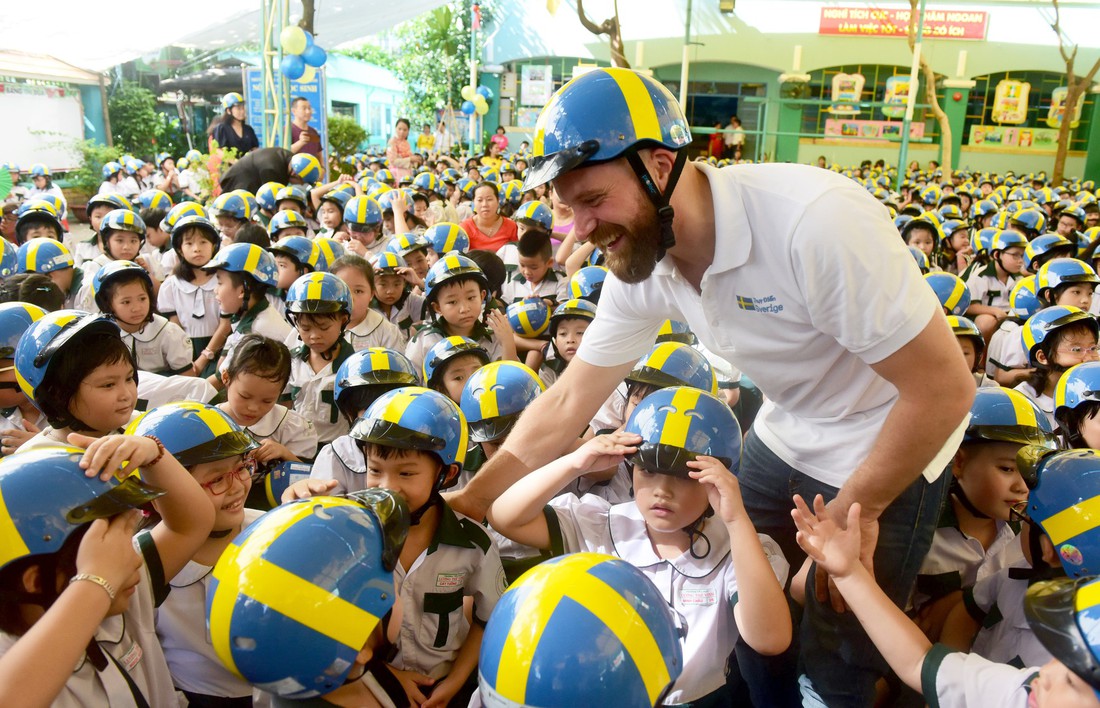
point(837, 659)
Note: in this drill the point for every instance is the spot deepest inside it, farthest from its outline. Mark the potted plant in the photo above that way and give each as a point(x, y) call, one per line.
point(84, 182)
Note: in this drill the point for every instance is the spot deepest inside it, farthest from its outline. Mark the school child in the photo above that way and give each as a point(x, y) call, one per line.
point(1045, 248)
point(444, 237)
point(111, 173)
point(121, 235)
point(1066, 281)
point(973, 346)
point(413, 249)
point(124, 292)
point(531, 216)
point(98, 207)
point(924, 232)
point(990, 286)
point(295, 256)
point(1076, 403)
point(43, 185)
point(393, 293)
point(956, 251)
point(1006, 360)
point(330, 210)
point(367, 328)
point(450, 363)
point(587, 283)
point(266, 205)
point(951, 679)
point(77, 627)
point(286, 224)
point(327, 647)
point(519, 667)
point(20, 420)
point(568, 324)
point(319, 307)
point(37, 219)
point(492, 399)
point(363, 219)
point(1055, 338)
point(340, 467)
point(188, 296)
point(231, 212)
point(687, 529)
point(974, 538)
point(52, 259)
point(292, 198)
point(157, 240)
point(244, 273)
point(218, 455)
point(455, 292)
point(170, 259)
point(535, 275)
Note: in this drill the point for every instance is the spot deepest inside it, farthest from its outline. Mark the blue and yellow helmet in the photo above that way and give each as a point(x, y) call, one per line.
point(301, 249)
point(385, 177)
point(306, 167)
point(535, 213)
point(292, 193)
point(47, 496)
point(675, 331)
point(362, 211)
point(467, 187)
point(122, 220)
point(287, 220)
point(265, 195)
point(110, 169)
point(447, 349)
point(445, 237)
point(385, 200)
point(15, 319)
point(449, 267)
point(339, 195)
point(1006, 415)
point(367, 374)
point(232, 204)
point(587, 283)
point(529, 317)
point(318, 293)
point(495, 395)
point(388, 263)
point(37, 347)
point(1032, 221)
point(38, 211)
point(511, 192)
point(194, 433)
point(114, 200)
point(675, 364)
point(1079, 385)
point(178, 212)
point(1047, 246)
point(921, 259)
point(1022, 300)
point(39, 169)
point(231, 99)
point(600, 116)
point(154, 199)
point(965, 327)
point(117, 271)
point(404, 244)
point(1063, 613)
point(1065, 491)
point(193, 155)
point(1004, 239)
point(43, 255)
point(951, 291)
point(1063, 271)
point(575, 308)
point(679, 423)
point(9, 257)
point(1047, 321)
point(328, 250)
point(426, 181)
point(290, 617)
point(246, 259)
point(416, 418)
point(581, 629)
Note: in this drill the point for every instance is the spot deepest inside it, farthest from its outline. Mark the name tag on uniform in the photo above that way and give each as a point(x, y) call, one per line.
point(698, 597)
point(449, 580)
point(132, 657)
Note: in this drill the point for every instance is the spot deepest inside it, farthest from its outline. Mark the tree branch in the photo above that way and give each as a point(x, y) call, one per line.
point(589, 24)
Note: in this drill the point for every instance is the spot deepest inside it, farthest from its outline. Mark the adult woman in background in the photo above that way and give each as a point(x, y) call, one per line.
point(487, 229)
point(231, 130)
point(399, 152)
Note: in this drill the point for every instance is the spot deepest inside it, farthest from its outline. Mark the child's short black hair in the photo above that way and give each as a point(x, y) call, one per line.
point(184, 270)
point(70, 366)
point(62, 561)
point(107, 292)
point(152, 217)
point(493, 268)
point(535, 244)
point(35, 288)
point(418, 197)
point(253, 233)
point(1071, 419)
point(350, 260)
point(260, 356)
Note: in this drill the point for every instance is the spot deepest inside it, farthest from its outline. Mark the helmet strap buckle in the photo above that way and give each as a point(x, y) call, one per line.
point(660, 200)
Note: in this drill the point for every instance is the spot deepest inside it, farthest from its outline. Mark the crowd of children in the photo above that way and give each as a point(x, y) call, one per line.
point(293, 380)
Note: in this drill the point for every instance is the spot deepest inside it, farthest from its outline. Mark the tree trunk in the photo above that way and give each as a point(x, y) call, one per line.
point(1073, 90)
point(612, 29)
point(946, 141)
point(306, 23)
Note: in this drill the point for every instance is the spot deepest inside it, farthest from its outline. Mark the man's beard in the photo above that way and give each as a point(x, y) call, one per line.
point(636, 256)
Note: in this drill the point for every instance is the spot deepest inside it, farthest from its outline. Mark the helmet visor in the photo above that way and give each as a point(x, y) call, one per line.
point(383, 432)
point(547, 167)
point(1022, 434)
point(492, 429)
point(131, 493)
point(71, 330)
point(667, 459)
point(220, 448)
point(392, 514)
point(1050, 608)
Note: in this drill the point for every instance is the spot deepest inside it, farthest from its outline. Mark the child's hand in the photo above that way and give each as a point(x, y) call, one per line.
point(270, 450)
point(442, 693)
point(307, 488)
point(410, 277)
point(104, 456)
point(11, 440)
point(604, 451)
point(411, 682)
point(107, 550)
point(398, 201)
point(723, 492)
point(834, 549)
point(498, 322)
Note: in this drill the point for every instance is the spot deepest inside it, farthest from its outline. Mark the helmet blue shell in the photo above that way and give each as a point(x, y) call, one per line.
point(446, 349)
point(388, 262)
point(1063, 487)
point(921, 259)
point(1006, 415)
point(15, 319)
point(1079, 384)
point(232, 99)
point(581, 629)
point(318, 293)
point(178, 212)
point(292, 193)
point(1022, 300)
point(449, 267)
point(42, 255)
point(587, 283)
point(122, 220)
point(234, 205)
point(404, 244)
point(445, 237)
point(1063, 271)
point(328, 250)
point(35, 350)
point(154, 199)
point(194, 433)
point(495, 395)
point(529, 317)
point(575, 307)
point(1047, 244)
point(679, 423)
point(537, 213)
point(416, 418)
point(302, 249)
point(265, 195)
point(675, 364)
point(951, 291)
point(287, 220)
point(248, 259)
point(362, 211)
point(306, 168)
point(374, 366)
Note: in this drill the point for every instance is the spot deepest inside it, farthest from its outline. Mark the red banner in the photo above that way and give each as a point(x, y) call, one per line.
point(853, 21)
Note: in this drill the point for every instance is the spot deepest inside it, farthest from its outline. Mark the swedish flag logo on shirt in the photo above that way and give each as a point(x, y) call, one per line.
point(745, 303)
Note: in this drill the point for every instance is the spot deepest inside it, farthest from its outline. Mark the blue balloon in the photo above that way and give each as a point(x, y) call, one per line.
point(314, 55)
point(309, 39)
point(468, 108)
point(485, 92)
point(292, 67)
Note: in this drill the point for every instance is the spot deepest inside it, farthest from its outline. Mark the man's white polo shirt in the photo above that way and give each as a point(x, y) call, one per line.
point(810, 285)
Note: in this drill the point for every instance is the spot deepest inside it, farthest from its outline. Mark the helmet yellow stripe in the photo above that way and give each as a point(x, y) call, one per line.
point(32, 258)
point(313, 290)
point(1024, 409)
point(379, 360)
point(217, 423)
point(396, 407)
point(252, 262)
point(639, 103)
point(609, 607)
point(1029, 337)
point(490, 406)
point(1087, 596)
point(674, 432)
point(660, 354)
point(956, 294)
point(1060, 389)
point(12, 544)
point(1079, 518)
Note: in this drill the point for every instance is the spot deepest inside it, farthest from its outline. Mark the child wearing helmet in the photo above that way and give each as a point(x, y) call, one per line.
point(924, 233)
point(124, 292)
point(1066, 281)
point(295, 256)
point(445, 237)
point(534, 274)
point(80, 591)
point(121, 237)
point(414, 249)
point(1055, 339)
point(319, 307)
point(947, 677)
point(394, 296)
point(286, 224)
point(158, 241)
point(973, 347)
point(363, 219)
point(37, 219)
point(1076, 403)
point(52, 259)
point(329, 208)
point(455, 295)
point(683, 443)
point(367, 327)
point(974, 538)
point(1006, 358)
point(98, 207)
point(188, 297)
point(218, 455)
point(450, 363)
point(991, 285)
point(42, 181)
point(20, 419)
point(568, 323)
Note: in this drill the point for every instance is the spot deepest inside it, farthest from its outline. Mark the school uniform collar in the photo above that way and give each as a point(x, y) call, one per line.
point(371, 322)
point(450, 531)
point(732, 234)
point(265, 427)
point(150, 331)
point(551, 277)
point(628, 533)
point(345, 350)
point(189, 286)
point(990, 270)
point(246, 320)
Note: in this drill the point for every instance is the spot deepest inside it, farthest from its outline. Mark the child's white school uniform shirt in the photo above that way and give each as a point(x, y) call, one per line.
point(131, 640)
point(986, 289)
point(342, 461)
point(996, 603)
point(376, 331)
point(702, 590)
point(286, 427)
point(155, 390)
point(313, 395)
point(953, 679)
point(84, 251)
point(461, 561)
point(379, 245)
point(1045, 402)
point(181, 627)
point(1006, 347)
point(406, 314)
point(261, 319)
point(553, 286)
point(195, 306)
point(427, 337)
point(160, 347)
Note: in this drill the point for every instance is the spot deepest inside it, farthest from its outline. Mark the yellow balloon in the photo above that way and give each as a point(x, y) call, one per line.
point(307, 75)
point(481, 108)
point(468, 93)
point(293, 39)
point(480, 102)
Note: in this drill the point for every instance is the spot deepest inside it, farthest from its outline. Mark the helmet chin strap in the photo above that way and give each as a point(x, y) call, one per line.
point(660, 199)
